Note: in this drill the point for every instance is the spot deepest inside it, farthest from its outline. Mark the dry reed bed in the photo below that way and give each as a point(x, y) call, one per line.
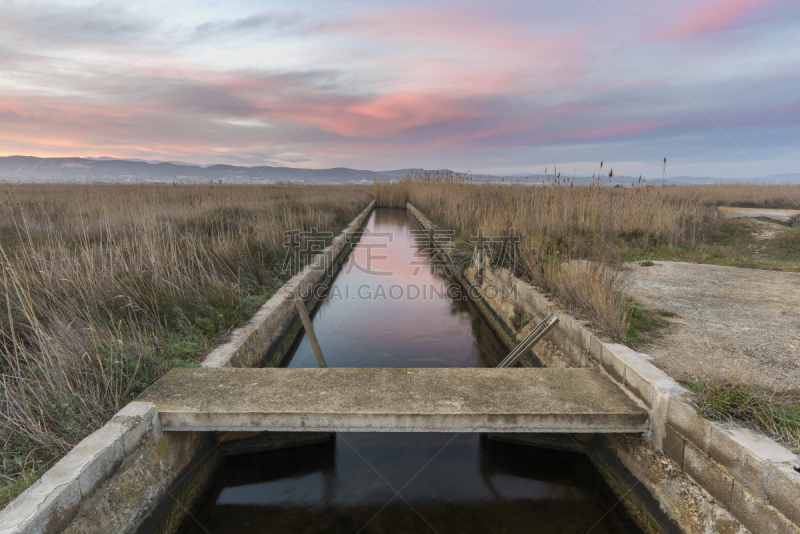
point(104, 287)
point(743, 195)
point(557, 225)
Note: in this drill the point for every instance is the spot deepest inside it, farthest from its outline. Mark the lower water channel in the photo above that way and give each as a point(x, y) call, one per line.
point(387, 307)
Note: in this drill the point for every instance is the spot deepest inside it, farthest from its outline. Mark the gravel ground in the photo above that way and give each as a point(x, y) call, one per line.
point(730, 322)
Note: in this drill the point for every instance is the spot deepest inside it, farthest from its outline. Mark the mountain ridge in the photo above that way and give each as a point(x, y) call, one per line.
point(107, 169)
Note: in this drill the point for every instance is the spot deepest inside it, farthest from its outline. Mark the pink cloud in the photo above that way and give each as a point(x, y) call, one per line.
point(470, 51)
point(712, 16)
point(365, 117)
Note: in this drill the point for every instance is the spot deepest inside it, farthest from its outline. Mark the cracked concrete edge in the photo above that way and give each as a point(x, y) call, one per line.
point(51, 502)
point(763, 473)
point(751, 475)
point(250, 341)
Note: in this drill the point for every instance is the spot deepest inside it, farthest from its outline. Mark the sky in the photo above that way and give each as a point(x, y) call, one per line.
point(499, 87)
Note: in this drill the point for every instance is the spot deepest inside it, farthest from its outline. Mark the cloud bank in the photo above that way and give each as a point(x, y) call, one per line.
point(509, 87)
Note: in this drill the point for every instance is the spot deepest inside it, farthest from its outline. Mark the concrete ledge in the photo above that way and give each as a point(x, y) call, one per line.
point(674, 446)
point(48, 503)
point(394, 400)
point(51, 502)
point(781, 483)
point(139, 419)
point(251, 341)
point(703, 469)
point(684, 419)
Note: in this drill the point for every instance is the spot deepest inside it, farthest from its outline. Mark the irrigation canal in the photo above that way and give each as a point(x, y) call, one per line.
point(404, 482)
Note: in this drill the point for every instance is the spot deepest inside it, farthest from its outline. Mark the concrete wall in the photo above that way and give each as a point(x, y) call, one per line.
point(117, 476)
point(133, 441)
point(752, 477)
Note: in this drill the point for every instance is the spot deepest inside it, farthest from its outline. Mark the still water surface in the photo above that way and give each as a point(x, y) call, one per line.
point(404, 482)
point(385, 308)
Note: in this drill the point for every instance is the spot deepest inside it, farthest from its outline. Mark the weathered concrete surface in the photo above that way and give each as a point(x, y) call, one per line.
point(730, 321)
point(121, 503)
point(394, 400)
point(50, 504)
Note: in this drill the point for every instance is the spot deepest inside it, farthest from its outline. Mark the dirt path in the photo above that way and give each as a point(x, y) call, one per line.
point(785, 216)
point(729, 321)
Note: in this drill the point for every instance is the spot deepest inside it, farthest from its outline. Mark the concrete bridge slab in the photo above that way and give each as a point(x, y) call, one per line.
point(393, 400)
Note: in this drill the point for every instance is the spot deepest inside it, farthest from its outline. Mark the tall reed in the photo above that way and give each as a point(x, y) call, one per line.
point(743, 195)
point(559, 224)
point(104, 287)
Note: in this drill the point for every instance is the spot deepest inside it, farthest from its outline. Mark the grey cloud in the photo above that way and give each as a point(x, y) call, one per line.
point(100, 23)
point(236, 27)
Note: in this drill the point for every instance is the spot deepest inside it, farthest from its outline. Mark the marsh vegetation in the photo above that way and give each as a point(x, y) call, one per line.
point(574, 240)
point(105, 287)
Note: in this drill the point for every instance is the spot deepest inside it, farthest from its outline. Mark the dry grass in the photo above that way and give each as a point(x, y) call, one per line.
point(741, 195)
point(594, 289)
point(104, 287)
point(559, 223)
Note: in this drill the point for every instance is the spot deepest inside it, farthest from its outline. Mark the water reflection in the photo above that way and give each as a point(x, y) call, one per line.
point(361, 324)
point(446, 483)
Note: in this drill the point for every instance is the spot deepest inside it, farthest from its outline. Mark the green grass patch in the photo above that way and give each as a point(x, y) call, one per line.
point(730, 243)
point(786, 246)
point(521, 320)
point(732, 400)
point(640, 323)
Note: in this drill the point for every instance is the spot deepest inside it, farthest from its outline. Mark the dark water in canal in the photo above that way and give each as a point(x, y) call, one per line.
point(404, 482)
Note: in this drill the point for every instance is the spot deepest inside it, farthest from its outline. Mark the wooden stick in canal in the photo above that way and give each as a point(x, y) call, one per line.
point(312, 338)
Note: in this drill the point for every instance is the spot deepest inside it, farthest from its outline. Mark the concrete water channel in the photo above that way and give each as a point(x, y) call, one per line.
point(410, 428)
point(389, 307)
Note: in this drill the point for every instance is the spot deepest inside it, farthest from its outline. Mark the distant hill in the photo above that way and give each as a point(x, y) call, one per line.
point(31, 169)
point(105, 169)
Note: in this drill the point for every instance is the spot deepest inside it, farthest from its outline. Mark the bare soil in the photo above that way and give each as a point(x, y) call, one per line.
point(728, 321)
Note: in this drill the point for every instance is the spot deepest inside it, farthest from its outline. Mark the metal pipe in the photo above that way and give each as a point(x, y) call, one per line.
point(530, 340)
